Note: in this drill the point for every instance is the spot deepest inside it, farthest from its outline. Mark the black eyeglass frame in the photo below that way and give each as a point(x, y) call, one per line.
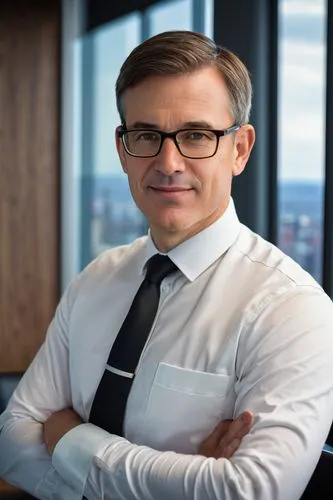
point(173, 135)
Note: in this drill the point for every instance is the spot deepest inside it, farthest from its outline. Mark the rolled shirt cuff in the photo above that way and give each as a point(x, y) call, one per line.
point(73, 455)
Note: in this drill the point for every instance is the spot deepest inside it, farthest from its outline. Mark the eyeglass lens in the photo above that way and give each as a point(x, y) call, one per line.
point(194, 143)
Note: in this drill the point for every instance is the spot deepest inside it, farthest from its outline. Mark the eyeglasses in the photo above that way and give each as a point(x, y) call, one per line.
point(191, 143)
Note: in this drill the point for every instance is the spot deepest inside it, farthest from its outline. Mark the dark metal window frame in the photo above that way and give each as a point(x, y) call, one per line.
point(99, 12)
point(253, 36)
point(328, 189)
point(87, 147)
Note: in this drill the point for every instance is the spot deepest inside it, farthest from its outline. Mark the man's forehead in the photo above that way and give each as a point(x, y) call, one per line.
point(193, 98)
point(203, 78)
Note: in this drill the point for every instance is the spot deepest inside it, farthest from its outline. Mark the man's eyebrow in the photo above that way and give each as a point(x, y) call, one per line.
point(197, 124)
point(146, 125)
point(190, 124)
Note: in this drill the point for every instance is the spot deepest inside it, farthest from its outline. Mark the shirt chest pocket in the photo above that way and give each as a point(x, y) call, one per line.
point(184, 406)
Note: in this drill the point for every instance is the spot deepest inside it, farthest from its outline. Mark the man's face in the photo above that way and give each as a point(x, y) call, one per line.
point(181, 196)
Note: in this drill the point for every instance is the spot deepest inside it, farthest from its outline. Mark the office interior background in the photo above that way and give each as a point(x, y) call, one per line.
point(63, 196)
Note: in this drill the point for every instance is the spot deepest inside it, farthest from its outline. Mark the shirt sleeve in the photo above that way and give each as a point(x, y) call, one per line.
point(43, 390)
point(284, 375)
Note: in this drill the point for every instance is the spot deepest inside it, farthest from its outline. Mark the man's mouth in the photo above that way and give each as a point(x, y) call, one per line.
point(170, 189)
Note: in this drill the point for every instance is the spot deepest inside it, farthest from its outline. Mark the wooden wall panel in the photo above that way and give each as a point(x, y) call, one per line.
point(29, 176)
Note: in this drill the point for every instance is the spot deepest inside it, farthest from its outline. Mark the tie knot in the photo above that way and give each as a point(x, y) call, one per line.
point(158, 267)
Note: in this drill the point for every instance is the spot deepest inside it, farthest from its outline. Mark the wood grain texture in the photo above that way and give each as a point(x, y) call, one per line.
point(29, 176)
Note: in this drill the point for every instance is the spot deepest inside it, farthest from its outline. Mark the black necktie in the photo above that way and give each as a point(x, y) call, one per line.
point(109, 405)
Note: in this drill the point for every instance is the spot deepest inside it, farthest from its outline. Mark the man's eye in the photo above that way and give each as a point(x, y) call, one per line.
point(147, 136)
point(195, 136)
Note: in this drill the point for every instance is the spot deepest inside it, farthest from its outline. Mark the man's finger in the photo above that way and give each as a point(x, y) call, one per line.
point(209, 445)
point(236, 431)
point(220, 430)
point(230, 449)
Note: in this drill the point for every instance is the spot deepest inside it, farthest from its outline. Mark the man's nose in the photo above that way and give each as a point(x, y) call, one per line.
point(169, 160)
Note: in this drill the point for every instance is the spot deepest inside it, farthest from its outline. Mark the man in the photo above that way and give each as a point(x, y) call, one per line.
point(240, 329)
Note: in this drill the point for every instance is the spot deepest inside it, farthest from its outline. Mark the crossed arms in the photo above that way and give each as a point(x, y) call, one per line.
point(287, 384)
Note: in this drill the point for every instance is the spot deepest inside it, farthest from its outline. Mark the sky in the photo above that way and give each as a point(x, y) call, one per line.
point(301, 82)
point(301, 86)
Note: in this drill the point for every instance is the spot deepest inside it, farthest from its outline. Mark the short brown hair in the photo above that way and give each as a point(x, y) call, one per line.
point(183, 52)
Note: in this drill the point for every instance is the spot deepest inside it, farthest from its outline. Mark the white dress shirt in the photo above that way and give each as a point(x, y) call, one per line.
point(239, 326)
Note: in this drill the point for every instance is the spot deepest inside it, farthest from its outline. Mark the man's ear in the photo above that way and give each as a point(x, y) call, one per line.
point(244, 141)
point(121, 150)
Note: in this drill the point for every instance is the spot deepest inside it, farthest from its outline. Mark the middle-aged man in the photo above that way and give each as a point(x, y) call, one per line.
point(219, 326)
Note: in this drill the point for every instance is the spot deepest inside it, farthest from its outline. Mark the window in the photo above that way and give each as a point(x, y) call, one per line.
point(174, 15)
point(114, 219)
point(301, 135)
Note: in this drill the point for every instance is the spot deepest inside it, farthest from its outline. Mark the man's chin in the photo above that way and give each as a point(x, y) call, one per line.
point(172, 222)
point(175, 227)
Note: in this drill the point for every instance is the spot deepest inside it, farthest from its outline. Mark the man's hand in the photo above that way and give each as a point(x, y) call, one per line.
point(226, 437)
point(57, 425)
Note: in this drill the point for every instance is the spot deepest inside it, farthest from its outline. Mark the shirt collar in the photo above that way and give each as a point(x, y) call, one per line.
point(196, 254)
